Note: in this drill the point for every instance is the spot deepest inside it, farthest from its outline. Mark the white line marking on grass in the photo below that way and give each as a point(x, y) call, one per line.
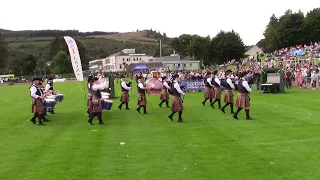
point(284, 142)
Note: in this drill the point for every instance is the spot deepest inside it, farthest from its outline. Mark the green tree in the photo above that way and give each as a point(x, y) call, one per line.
point(271, 41)
point(291, 29)
point(312, 25)
point(3, 53)
point(226, 46)
point(200, 48)
point(61, 63)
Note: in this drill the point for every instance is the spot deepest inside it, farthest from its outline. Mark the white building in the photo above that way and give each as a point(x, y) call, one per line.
point(117, 62)
point(253, 51)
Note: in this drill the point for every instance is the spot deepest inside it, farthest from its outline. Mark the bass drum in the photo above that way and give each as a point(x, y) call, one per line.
point(154, 86)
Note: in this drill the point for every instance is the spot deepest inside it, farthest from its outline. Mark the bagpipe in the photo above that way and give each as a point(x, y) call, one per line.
point(129, 84)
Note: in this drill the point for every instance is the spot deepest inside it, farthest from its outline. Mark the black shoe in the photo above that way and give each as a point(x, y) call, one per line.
point(249, 118)
point(41, 124)
point(170, 117)
point(33, 121)
point(160, 105)
point(46, 120)
point(127, 108)
point(212, 105)
point(232, 112)
point(203, 103)
point(101, 123)
point(138, 110)
point(235, 116)
point(222, 110)
point(119, 107)
point(90, 122)
point(180, 120)
point(145, 113)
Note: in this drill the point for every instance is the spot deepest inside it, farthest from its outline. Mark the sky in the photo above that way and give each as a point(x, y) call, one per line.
point(203, 17)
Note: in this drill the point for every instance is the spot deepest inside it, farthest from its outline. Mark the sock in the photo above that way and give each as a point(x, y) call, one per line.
point(219, 103)
point(205, 100)
point(231, 106)
point(120, 106)
point(180, 115)
point(238, 110)
point(99, 117)
point(210, 100)
point(144, 109)
point(172, 114)
point(227, 104)
point(215, 101)
point(247, 114)
point(139, 108)
point(167, 103)
point(161, 103)
point(127, 105)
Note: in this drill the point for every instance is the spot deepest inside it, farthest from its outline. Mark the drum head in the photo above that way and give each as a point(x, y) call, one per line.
point(109, 101)
point(50, 100)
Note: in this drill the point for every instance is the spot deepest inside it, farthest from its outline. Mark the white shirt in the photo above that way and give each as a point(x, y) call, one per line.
point(246, 85)
point(217, 80)
point(98, 87)
point(33, 91)
point(47, 87)
point(124, 85)
point(177, 87)
point(230, 83)
point(209, 81)
point(165, 84)
point(141, 85)
point(88, 85)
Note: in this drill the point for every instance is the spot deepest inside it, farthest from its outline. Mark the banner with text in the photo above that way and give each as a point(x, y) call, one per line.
point(193, 85)
point(75, 57)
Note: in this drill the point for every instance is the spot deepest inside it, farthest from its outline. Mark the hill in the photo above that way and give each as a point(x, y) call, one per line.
point(97, 44)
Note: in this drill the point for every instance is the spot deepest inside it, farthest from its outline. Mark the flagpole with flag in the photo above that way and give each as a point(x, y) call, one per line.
point(75, 59)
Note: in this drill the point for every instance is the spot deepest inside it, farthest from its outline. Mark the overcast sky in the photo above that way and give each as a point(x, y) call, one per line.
point(203, 17)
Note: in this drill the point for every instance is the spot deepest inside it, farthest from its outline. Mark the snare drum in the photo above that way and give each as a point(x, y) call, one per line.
point(107, 104)
point(50, 104)
point(59, 97)
point(51, 97)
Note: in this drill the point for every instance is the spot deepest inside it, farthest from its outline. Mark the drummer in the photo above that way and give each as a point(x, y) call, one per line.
point(42, 89)
point(50, 90)
point(95, 108)
point(164, 97)
point(142, 101)
point(90, 82)
point(37, 102)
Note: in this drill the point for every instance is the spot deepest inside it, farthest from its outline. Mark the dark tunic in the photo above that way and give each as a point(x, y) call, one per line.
point(125, 95)
point(142, 97)
point(243, 100)
point(177, 104)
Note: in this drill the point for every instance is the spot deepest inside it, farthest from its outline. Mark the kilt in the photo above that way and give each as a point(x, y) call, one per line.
point(228, 96)
point(243, 100)
point(38, 106)
point(177, 104)
point(217, 93)
point(208, 93)
point(124, 97)
point(164, 96)
point(142, 100)
point(95, 105)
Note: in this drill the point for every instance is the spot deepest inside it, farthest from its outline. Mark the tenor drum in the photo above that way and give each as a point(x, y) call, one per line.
point(50, 104)
point(107, 104)
point(59, 97)
point(154, 86)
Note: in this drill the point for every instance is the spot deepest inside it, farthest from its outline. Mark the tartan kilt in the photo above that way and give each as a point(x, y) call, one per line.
point(228, 96)
point(95, 105)
point(217, 93)
point(243, 101)
point(208, 93)
point(177, 104)
point(142, 100)
point(164, 96)
point(38, 106)
point(124, 97)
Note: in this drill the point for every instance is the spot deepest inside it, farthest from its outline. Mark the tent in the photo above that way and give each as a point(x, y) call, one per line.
point(298, 52)
point(141, 68)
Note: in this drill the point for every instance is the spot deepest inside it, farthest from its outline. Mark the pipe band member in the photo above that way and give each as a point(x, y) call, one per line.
point(177, 104)
point(243, 99)
point(37, 102)
point(228, 96)
point(142, 101)
point(208, 93)
point(164, 96)
point(217, 89)
point(125, 93)
point(96, 102)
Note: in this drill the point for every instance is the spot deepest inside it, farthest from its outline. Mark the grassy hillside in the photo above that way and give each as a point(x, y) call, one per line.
point(96, 46)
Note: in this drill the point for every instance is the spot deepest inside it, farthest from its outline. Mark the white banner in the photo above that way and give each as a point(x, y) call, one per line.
point(75, 57)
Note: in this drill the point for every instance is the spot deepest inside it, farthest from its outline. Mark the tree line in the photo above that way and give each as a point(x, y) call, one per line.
point(51, 33)
point(291, 29)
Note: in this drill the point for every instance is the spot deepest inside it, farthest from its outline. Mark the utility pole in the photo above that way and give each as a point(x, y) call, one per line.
point(160, 48)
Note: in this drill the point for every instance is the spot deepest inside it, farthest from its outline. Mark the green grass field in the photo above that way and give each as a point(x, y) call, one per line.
point(281, 143)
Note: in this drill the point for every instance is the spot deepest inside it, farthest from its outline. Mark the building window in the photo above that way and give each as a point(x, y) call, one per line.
point(127, 59)
point(120, 66)
point(190, 65)
point(184, 65)
point(140, 59)
point(134, 59)
point(123, 59)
